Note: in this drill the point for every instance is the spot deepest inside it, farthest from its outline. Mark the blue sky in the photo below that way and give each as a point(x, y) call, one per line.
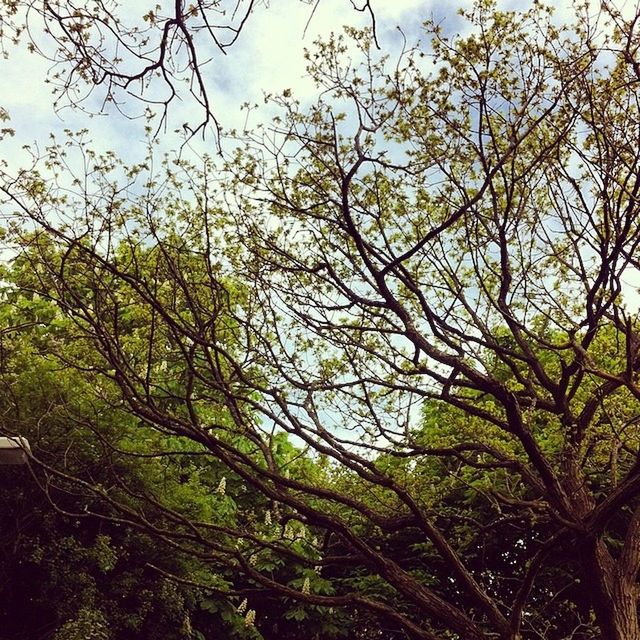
point(268, 57)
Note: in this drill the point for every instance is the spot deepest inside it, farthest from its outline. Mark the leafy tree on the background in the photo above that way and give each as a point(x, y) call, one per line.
point(84, 553)
point(426, 284)
point(72, 570)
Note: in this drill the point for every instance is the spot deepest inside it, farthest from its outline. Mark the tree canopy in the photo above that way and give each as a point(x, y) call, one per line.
point(370, 372)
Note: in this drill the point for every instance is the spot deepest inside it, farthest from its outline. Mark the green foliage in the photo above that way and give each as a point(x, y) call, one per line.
point(378, 365)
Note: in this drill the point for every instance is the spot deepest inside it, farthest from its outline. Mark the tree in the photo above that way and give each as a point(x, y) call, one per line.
point(428, 282)
point(69, 558)
point(86, 544)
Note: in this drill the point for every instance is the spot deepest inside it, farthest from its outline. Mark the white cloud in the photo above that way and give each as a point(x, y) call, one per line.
point(631, 289)
point(268, 57)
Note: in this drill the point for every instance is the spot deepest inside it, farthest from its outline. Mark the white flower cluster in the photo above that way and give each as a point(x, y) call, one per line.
point(306, 587)
point(222, 487)
point(242, 607)
point(186, 625)
point(267, 518)
point(250, 618)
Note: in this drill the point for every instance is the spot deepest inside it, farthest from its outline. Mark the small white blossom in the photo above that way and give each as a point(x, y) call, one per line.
point(267, 518)
point(253, 559)
point(317, 568)
point(306, 587)
point(250, 618)
point(222, 487)
point(242, 607)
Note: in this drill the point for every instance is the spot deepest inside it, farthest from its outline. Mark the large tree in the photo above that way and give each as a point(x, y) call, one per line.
point(418, 276)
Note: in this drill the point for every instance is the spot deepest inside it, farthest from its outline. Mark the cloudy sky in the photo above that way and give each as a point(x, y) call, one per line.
point(268, 57)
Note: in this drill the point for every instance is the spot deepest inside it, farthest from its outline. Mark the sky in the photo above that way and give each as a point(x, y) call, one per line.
point(267, 58)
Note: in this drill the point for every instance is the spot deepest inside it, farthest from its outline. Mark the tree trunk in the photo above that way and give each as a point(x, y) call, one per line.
point(614, 596)
point(625, 614)
point(610, 586)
